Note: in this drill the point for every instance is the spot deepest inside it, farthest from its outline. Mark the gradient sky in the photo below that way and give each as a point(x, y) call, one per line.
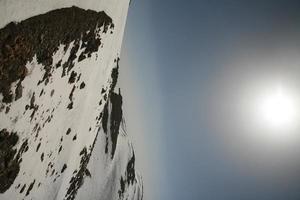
point(183, 65)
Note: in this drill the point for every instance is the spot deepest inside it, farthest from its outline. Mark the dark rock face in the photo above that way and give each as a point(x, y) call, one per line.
point(10, 158)
point(9, 165)
point(115, 120)
point(130, 171)
point(115, 115)
point(41, 36)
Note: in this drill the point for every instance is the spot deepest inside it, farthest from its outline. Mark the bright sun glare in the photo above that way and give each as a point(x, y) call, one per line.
point(278, 110)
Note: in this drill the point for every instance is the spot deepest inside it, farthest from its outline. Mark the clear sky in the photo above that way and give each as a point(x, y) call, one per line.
point(189, 71)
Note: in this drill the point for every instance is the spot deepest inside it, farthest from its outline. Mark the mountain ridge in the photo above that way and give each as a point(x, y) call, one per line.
point(60, 115)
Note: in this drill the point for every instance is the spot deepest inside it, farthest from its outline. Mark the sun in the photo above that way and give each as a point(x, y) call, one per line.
point(278, 109)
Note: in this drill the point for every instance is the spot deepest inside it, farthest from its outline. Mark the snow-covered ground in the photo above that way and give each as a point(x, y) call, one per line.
point(72, 142)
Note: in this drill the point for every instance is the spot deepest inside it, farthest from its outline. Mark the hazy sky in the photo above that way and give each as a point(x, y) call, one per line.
point(189, 72)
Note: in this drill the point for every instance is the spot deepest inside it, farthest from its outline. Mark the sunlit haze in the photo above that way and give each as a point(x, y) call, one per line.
point(277, 110)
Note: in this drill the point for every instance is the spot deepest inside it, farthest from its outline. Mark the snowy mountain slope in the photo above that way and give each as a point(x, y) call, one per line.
point(62, 132)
